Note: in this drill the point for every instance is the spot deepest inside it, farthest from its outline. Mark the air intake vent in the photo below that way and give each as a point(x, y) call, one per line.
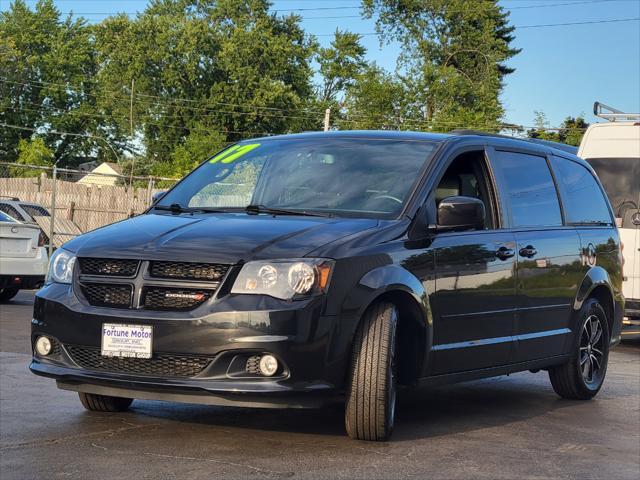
point(188, 271)
point(107, 295)
point(108, 267)
point(162, 364)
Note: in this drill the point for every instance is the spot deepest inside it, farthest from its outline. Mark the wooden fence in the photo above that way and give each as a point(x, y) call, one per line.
point(89, 206)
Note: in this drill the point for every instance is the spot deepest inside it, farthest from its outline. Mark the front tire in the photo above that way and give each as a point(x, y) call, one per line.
point(104, 403)
point(582, 377)
point(7, 294)
point(371, 389)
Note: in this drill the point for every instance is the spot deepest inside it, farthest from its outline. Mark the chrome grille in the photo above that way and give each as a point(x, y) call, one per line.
point(107, 295)
point(162, 364)
point(160, 298)
point(188, 271)
point(108, 267)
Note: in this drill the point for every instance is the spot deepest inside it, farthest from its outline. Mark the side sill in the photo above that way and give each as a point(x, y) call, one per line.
point(450, 378)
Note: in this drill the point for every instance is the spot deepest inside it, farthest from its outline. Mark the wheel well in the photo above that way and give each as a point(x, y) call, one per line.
point(603, 295)
point(411, 335)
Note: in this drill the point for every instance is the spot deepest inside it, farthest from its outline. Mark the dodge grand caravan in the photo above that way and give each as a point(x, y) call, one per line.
point(297, 270)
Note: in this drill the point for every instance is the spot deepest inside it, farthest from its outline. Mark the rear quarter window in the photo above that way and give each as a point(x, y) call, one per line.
point(583, 199)
point(35, 210)
point(527, 186)
point(11, 211)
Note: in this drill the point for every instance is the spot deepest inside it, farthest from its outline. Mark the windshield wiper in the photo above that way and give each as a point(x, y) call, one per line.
point(173, 208)
point(256, 209)
point(177, 208)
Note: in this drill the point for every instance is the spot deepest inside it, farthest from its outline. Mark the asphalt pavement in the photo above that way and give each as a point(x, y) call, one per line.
point(507, 427)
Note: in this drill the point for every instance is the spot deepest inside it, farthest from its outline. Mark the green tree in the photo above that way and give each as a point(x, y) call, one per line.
point(228, 69)
point(541, 128)
point(453, 60)
point(570, 132)
point(340, 64)
point(186, 156)
point(32, 152)
point(573, 129)
point(376, 100)
point(41, 57)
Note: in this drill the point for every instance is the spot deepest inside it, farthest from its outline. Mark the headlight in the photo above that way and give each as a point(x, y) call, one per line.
point(61, 267)
point(285, 279)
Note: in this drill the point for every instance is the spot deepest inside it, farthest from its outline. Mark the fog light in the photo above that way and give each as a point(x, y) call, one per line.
point(43, 346)
point(268, 365)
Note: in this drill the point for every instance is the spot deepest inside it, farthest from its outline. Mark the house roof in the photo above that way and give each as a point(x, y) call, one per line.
point(114, 166)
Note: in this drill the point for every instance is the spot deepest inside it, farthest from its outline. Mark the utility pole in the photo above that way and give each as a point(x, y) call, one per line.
point(327, 116)
point(133, 80)
point(52, 218)
point(133, 161)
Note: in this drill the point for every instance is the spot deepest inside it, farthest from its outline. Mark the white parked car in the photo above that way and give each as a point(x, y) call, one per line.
point(612, 148)
point(23, 257)
point(23, 212)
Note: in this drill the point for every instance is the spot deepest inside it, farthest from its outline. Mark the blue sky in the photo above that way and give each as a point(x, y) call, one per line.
point(561, 70)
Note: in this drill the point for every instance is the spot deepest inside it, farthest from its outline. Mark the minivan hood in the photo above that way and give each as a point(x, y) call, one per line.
point(214, 238)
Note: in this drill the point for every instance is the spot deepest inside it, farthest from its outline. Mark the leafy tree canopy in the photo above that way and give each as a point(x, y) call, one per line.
point(570, 132)
point(453, 60)
point(161, 91)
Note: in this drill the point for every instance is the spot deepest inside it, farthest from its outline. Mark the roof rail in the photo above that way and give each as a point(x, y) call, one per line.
point(548, 143)
point(9, 197)
point(613, 114)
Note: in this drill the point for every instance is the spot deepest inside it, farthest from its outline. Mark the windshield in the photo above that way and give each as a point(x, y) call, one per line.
point(619, 176)
point(344, 177)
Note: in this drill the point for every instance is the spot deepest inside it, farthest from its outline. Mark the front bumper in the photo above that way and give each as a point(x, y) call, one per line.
point(232, 327)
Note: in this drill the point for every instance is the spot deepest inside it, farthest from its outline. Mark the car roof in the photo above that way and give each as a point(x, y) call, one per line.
point(372, 134)
point(17, 201)
point(454, 136)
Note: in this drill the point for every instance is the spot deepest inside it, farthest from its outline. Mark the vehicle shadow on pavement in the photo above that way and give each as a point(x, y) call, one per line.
point(422, 413)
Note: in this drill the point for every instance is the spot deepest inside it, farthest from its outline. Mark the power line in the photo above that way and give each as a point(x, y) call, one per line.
point(162, 102)
point(200, 129)
point(590, 22)
point(56, 132)
point(356, 7)
point(406, 122)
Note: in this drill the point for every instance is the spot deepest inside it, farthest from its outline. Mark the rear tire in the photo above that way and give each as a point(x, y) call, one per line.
point(104, 403)
point(582, 377)
point(371, 389)
point(7, 294)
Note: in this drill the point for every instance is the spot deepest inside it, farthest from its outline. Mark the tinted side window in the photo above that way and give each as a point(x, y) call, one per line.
point(10, 210)
point(582, 197)
point(529, 190)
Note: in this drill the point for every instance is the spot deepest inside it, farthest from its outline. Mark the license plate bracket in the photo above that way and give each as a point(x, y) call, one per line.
point(130, 341)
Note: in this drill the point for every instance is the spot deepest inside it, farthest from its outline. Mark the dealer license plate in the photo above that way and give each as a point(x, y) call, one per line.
point(132, 341)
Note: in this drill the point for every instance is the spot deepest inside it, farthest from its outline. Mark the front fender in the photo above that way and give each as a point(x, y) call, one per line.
point(394, 278)
point(395, 284)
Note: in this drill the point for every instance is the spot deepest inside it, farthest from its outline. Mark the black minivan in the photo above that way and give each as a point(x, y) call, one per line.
point(297, 270)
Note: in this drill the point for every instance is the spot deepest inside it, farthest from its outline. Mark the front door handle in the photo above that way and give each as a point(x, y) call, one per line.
point(528, 251)
point(503, 253)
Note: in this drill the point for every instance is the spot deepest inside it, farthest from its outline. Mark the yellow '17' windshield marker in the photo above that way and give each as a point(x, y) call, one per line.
point(233, 153)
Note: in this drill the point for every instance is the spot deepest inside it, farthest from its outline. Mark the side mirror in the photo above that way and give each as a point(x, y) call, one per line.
point(157, 196)
point(460, 213)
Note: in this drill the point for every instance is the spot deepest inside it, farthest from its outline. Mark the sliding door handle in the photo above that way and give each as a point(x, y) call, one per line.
point(528, 251)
